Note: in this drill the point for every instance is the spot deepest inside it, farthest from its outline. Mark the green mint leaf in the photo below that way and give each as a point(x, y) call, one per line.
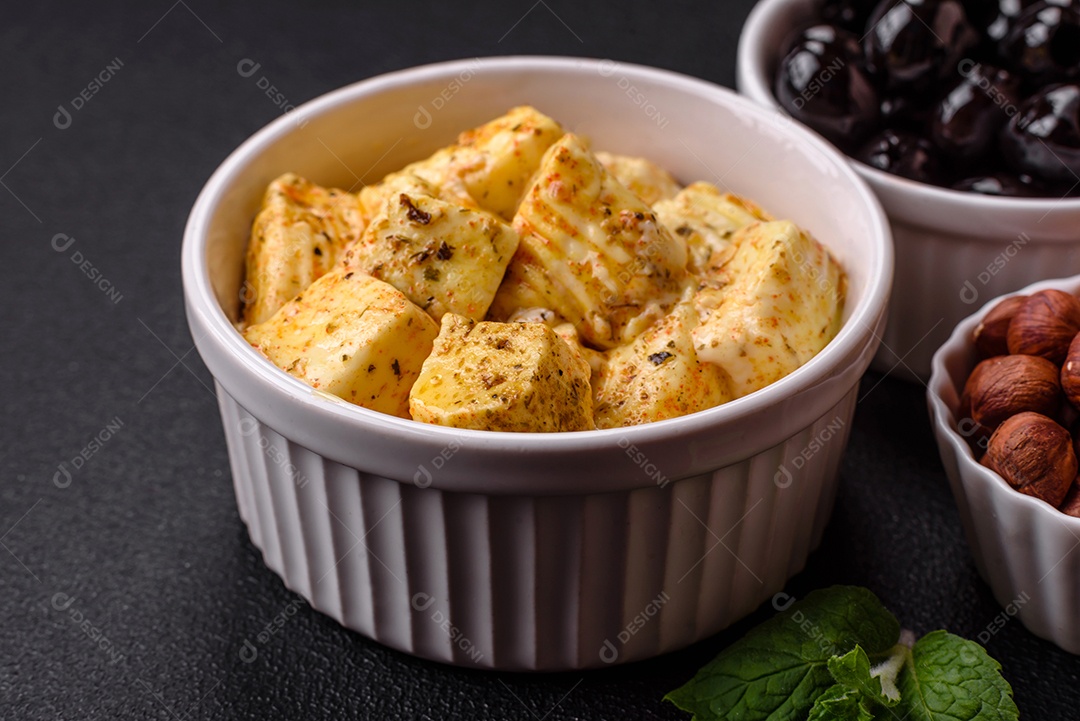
point(853, 671)
point(952, 679)
point(778, 670)
point(840, 703)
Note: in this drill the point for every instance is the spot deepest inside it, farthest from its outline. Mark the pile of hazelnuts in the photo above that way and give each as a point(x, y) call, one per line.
point(1021, 404)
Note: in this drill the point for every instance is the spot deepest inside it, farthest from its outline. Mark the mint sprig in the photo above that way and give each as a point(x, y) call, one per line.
point(835, 656)
point(779, 669)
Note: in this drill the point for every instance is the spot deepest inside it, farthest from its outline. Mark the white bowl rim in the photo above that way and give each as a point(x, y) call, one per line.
point(755, 82)
point(944, 420)
point(862, 320)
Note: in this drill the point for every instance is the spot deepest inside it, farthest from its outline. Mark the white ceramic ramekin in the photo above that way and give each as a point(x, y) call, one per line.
point(953, 250)
point(1026, 549)
point(537, 551)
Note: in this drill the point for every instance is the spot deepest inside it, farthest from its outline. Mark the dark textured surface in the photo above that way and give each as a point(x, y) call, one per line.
point(144, 542)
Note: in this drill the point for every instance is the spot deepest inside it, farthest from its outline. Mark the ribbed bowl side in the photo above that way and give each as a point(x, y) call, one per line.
point(535, 582)
point(1031, 568)
point(966, 506)
point(940, 279)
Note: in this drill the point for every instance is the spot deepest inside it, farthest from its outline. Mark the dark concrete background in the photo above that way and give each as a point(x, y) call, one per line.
point(128, 589)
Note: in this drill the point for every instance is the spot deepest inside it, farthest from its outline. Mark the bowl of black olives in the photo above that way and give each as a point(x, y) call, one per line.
point(964, 117)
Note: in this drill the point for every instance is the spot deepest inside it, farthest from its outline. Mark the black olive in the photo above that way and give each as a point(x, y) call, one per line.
point(902, 153)
point(984, 91)
point(1043, 138)
point(822, 83)
point(1043, 43)
point(967, 121)
point(910, 43)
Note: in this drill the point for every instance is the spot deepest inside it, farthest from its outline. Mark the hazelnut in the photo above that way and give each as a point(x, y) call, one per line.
point(1045, 325)
point(1067, 416)
point(1034, 455)
point(1071, 505)
point(977, 436)
point(1070, 373)
point(991, 335)
point(1003, 386)
point(971, 382)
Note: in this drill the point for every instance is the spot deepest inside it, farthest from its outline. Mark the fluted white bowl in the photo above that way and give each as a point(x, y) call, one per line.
point(954, 250)
point(1027, 550)
point(537, 551)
